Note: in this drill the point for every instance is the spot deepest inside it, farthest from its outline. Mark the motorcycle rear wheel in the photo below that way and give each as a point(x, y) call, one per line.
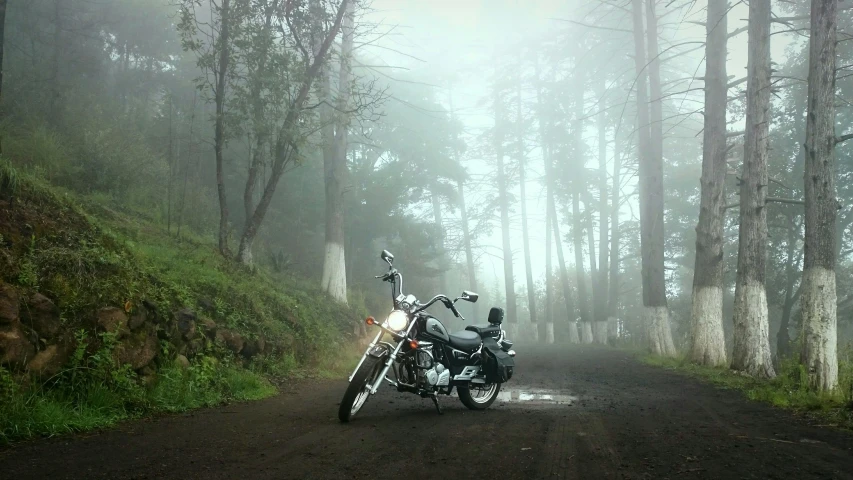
point(479, 398)
point(359, 388)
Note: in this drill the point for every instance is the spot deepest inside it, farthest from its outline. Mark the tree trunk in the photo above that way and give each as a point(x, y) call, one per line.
point(288, 133)
point(819, 298)
point(334, 264)
point(531, 287)
point(599, 296)
point(564, 276)
point(219, 129)
point(466, 232)
point(512, 316)
point(751, 352)
point(439, 238)
point(792, 266)
point(656, 314)
point(2, 44)
point(577, 235)
point(601, 308)
point(613, 297)
point(56, 80)
point(469, 254)
point(707, 340)
point(550, 215)
point(171, 160)
point(258, 115)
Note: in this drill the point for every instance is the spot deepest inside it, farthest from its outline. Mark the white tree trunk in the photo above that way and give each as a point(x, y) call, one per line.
point(708, 342)
point(612, 329)
point(600, 332)
point(657, 324)
point(586, 333)
point(549, 333)
point(573, 332)
point(820, 334)
point(334, 272)
point(534, 332)
point(752, 344)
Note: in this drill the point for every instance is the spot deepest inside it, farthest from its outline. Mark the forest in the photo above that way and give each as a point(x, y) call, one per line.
point(671, 176)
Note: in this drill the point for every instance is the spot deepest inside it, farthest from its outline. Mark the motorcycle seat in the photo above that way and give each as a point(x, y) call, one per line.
point(485, 330)
point(465, 340)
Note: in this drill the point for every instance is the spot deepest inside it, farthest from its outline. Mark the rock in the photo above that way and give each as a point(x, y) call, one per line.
point(146, 370)
point(138, 349)
point(232, 340)
point(196, 346)
point(9, 305)
point(253, 347)
point(42, 315)
point(113, 320)
point(49, 361)
point(209, 327)
point(137, 320)
point(206, 304)
point(182, 362)
point(186, 323)
point(15, 350)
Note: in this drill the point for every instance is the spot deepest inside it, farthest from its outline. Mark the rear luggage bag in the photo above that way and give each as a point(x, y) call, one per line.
point(497, 364)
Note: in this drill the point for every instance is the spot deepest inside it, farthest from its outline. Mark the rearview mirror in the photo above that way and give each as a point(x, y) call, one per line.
point(470, 296)
point(386, 255)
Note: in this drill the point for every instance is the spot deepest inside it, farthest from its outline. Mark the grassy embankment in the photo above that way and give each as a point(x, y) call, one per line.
point(85, 253)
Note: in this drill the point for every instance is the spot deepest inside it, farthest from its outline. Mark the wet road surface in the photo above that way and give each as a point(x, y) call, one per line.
point(569, 412)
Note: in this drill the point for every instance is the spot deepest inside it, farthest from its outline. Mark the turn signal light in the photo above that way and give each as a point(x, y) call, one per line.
point(370, 321)
point(413, 343)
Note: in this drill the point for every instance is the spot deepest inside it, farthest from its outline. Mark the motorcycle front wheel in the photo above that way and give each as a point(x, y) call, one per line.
point(479, 397)
point(359, 388)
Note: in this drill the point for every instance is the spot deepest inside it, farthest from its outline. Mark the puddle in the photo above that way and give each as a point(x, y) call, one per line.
point(535, 396)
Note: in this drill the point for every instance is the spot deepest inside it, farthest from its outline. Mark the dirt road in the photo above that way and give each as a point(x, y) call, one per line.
point(567, 413)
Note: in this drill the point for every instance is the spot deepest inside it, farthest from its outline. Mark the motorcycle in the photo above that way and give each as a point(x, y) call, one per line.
point(425, 359)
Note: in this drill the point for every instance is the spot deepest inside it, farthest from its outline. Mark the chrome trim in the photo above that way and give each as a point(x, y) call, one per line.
point(360, 362)
point(511, 353)
point(391, 358)
point(468, 373)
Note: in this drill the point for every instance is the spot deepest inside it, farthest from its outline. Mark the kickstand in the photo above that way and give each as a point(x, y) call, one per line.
point(437, 406)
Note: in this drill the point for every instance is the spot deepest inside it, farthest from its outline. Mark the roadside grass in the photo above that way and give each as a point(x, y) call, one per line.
point(789, 390)
point(85, 252)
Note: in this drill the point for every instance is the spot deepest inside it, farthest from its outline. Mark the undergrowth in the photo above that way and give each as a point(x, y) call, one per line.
point(789, 389)
point(85, 251)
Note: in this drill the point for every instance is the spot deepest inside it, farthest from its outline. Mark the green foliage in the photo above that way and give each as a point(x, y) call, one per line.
point(789, 389)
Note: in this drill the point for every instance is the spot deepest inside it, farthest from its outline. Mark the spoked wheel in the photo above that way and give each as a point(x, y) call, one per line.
point(479, 397)
point(359, 388)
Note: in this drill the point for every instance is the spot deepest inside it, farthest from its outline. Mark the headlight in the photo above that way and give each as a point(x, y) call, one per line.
point(398, 320)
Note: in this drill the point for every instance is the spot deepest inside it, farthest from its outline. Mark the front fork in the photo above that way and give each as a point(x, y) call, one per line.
point(389, 358)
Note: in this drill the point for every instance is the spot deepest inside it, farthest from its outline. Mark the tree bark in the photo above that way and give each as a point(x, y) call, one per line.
point(258, 117)
point(528, 268)
point(599, 296)
point(577, 235)
point(550, 215)
point(564, 274)
point(469, 254)
point(334, 264)
point(56, 81)
point(751, 349)
point(601, 308)
point(819, 298)
point(439, 238)
point(656, 313)
point(219, 129)
point(2, 44)
point(792, 266)
point(707, 340)
point(613, 297)
point(466, 231)
point(509, 284)
point(289, 131)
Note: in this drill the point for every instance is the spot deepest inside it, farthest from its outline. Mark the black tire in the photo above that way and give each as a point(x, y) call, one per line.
point(361, 381)
point(478, 403)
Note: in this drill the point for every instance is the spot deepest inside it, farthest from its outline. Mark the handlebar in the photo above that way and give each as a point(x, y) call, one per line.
point(447, 303)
